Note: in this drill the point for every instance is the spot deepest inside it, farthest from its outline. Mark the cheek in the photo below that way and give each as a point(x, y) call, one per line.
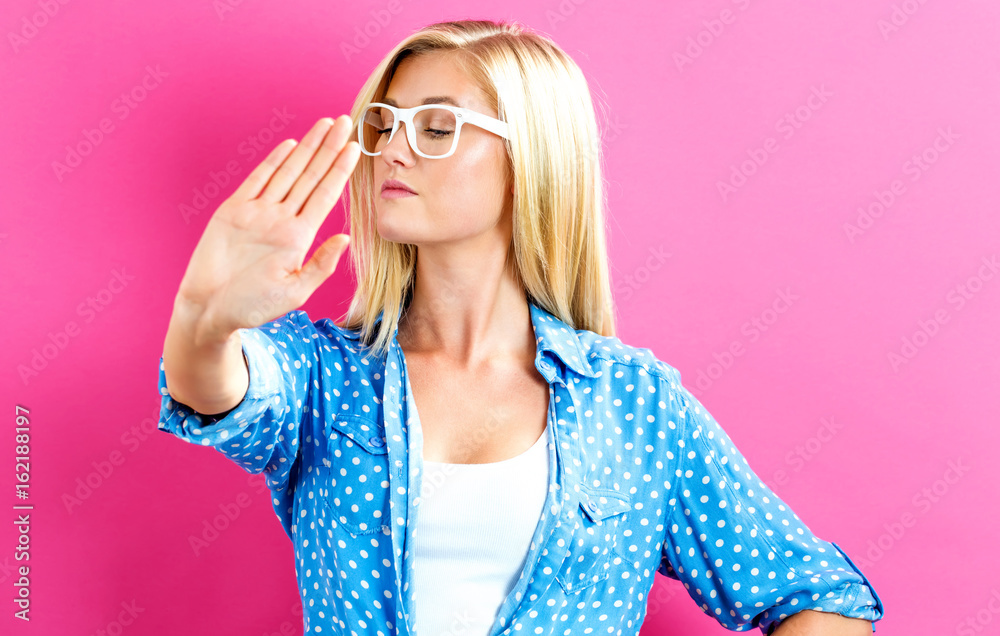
point(478, 183)
point(472, 205)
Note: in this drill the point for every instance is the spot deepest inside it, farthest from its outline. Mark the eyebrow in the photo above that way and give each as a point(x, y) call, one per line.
point(440, 99)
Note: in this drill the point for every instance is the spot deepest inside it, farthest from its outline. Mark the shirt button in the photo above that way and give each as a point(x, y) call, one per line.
point(592, 506)
point(377, 441)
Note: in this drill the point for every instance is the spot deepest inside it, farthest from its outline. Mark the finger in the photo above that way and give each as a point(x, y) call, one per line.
point(322, 264)
point(257, 179)
point(282, 180)
point(319, 165)
point(327, 191)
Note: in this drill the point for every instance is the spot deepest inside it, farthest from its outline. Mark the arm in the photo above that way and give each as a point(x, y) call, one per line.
point(813, 623)
point(204, 370)
point(262, 432)
point(266, 430)
point(249, 265)
point(743, 554)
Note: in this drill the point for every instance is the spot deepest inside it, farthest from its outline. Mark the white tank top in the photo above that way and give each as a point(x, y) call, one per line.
point(472, 536)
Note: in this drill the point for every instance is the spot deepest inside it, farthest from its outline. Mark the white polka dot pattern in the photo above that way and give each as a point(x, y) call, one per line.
point(642, 480)
point(742, 553)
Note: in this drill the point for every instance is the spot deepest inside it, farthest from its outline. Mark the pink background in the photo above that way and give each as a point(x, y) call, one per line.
point(692, 270)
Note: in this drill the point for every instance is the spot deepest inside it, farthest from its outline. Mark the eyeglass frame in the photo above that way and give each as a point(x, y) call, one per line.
point(405, 116)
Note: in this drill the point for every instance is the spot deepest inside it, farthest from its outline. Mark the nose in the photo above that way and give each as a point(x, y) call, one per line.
point(398, 143)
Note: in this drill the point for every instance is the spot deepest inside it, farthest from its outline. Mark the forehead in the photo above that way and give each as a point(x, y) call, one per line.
point(434, 78)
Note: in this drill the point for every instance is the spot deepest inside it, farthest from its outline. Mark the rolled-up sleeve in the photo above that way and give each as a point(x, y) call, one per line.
point(741, 552)
point(261, 434)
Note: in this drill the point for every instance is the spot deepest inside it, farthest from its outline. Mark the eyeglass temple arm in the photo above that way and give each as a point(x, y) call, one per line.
point(486, 122)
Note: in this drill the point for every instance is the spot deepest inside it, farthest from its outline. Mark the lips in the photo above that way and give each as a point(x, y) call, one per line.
point(394, 184)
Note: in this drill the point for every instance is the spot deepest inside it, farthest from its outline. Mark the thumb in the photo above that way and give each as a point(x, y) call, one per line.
point(323, 263)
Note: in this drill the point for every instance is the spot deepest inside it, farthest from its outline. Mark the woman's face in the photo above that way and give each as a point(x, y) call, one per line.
point(464, 196)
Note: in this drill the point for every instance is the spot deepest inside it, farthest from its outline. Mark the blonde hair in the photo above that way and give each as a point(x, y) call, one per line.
point(559, 249)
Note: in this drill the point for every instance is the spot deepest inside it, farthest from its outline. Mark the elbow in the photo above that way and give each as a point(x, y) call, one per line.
point(816, 623)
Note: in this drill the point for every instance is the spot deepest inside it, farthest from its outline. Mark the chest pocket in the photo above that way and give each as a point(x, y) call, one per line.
point(356, 472)
point(592, 553)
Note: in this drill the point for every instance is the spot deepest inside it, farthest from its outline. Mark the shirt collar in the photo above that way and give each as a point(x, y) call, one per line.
point(552, 336)
point(558, 338)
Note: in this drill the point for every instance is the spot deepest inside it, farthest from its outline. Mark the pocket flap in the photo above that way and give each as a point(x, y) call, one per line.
point(363, 431)
point(599, 504)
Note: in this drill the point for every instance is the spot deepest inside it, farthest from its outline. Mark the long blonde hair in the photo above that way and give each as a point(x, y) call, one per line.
point(554, 152)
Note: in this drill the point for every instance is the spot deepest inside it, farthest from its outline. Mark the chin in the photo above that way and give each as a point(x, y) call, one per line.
point(392, 231)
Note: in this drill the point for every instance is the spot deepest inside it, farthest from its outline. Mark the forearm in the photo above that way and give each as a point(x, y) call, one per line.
point(207, 372)
point(814, 623)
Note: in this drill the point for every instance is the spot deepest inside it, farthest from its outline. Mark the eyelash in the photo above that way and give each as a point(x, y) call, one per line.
point(383, 131)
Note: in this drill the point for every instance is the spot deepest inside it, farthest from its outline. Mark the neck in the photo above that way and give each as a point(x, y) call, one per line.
point(467, 310)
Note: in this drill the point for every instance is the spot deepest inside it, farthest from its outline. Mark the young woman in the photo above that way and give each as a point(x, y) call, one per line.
point(472, 450)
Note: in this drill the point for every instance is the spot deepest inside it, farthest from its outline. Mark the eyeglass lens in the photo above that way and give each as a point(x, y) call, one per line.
point(434, 128)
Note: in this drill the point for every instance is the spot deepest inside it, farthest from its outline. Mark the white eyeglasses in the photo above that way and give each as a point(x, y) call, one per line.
point(432, 129)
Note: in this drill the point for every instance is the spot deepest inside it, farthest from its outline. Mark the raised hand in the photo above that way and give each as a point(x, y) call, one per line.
point(247, 268)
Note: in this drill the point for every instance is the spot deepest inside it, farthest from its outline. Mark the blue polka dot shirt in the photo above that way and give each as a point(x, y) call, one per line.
point(642, 480)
